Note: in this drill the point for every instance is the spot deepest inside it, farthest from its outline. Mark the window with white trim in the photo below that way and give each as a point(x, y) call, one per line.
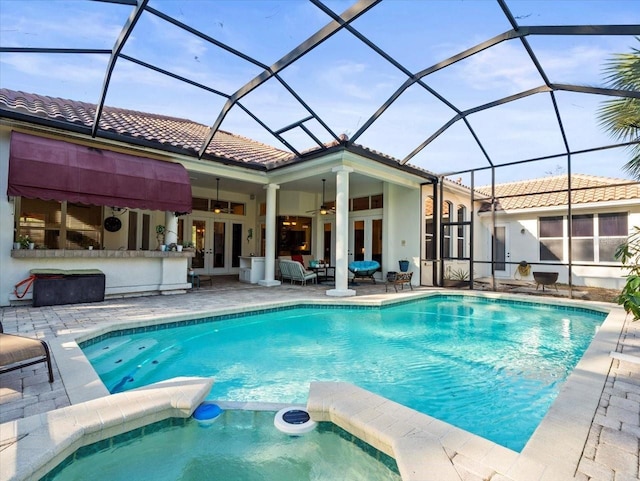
point(594, 237)
point(551, 238)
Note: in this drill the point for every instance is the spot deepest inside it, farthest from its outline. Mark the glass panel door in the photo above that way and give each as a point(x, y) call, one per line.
point(376, 240)
point(365, 240)
point(328, 243)
point(501, 251)
point(219, 244)
point(358, 240)
point(199, 237)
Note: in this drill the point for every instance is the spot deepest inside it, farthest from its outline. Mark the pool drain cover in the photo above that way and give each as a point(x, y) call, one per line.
point(293, 421)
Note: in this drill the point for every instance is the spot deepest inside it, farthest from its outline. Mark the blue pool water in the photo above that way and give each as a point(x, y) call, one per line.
point(242, 446)
point(490, 367)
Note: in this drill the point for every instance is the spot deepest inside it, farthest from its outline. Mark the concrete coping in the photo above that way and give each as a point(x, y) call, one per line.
point(31, 447)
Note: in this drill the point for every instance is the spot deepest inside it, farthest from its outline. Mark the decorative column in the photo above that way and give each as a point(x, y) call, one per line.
point(171, 228)
point(270, 240)
point(342, 234)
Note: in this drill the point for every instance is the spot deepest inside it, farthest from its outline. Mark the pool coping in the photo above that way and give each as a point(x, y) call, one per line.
point(540, 460)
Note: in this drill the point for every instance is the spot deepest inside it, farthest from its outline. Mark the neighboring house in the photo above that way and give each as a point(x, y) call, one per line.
point(531, 222)
point(69, 190)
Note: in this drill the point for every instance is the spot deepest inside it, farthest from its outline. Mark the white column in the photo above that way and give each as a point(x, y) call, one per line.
point(270, 241)
point(171, 228)
point(342, 234)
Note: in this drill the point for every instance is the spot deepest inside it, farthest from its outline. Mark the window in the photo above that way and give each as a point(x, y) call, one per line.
point(363, 203)
point(447, 216)
point(208, 205)
point(612, 231)
point(462, 238)
point(429, 244)
point(360, 203)
point(582, 238)
point(551, 238)
point(594, 237)
point(198, 203)
point(60, 225)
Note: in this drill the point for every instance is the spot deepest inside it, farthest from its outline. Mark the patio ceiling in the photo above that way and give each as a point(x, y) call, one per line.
point(447, 86)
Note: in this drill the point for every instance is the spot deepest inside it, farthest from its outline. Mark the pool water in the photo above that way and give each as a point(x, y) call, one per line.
point(240, 446)
point(492, 368)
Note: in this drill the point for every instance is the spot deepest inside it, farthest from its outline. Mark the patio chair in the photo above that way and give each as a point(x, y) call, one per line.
point(294, 271)
point(17, 352)
point(364, 269)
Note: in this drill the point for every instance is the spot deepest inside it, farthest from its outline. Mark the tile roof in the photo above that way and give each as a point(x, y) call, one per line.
point(170, 133)
point(551, 192)
point(161, 129)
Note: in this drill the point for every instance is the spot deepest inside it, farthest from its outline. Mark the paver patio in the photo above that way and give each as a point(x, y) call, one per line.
point(610, 453)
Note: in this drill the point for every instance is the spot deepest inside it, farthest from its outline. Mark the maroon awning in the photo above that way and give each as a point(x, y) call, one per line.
point(41, 168)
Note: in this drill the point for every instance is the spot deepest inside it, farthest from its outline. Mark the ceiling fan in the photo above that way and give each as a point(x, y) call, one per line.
point(219, 206)
point(324, 209)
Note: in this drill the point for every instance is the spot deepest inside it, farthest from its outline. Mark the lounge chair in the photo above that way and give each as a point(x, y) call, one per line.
point(294, 271)
point(17, 352)
point(364, 269)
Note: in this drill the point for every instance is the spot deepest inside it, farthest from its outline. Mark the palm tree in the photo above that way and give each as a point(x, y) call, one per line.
point(621, 117)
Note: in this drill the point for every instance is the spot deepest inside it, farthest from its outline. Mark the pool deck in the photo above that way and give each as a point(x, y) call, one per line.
point(592, 431)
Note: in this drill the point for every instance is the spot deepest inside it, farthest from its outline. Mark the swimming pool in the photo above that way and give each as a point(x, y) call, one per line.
point(241, 445)
point(487, 366)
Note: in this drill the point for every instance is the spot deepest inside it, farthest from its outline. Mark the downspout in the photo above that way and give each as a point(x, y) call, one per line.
point(493, 228)
point(570, 226)
point(439, 234)
point(471, 230)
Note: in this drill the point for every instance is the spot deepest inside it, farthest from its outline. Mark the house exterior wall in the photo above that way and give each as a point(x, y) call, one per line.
point(401, 229)
point(524, 245)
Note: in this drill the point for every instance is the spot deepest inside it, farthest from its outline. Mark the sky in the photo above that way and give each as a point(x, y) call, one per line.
point(344, 81)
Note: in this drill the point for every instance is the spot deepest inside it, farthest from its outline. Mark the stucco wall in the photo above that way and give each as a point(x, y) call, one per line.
point(522, 239)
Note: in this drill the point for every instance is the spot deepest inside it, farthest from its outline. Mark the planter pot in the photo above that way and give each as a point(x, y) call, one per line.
point(32, 245)
point(179, 248)
point(16, 246)
point(404, 266)
point(163, 248)
point(455, 283)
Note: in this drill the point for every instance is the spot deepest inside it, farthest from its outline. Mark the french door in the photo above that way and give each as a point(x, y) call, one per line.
point(218, 245)
point(365, 239)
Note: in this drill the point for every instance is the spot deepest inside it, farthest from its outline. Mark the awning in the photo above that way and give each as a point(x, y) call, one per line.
point(41, 168)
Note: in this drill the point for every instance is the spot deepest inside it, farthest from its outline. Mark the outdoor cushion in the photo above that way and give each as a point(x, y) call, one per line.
point(364, 269)
point(297, 258)
point(359, 266)
point(17, 352)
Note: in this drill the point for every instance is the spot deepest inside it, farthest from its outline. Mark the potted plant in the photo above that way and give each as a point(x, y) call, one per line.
point(404, 265)
point(188, 246)
point(24, 242)
point(456, 277)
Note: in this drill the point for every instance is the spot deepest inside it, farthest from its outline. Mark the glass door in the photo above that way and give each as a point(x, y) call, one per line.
point(365, 239)
point(328, 243)
point(501, 251)
point(218, 245)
